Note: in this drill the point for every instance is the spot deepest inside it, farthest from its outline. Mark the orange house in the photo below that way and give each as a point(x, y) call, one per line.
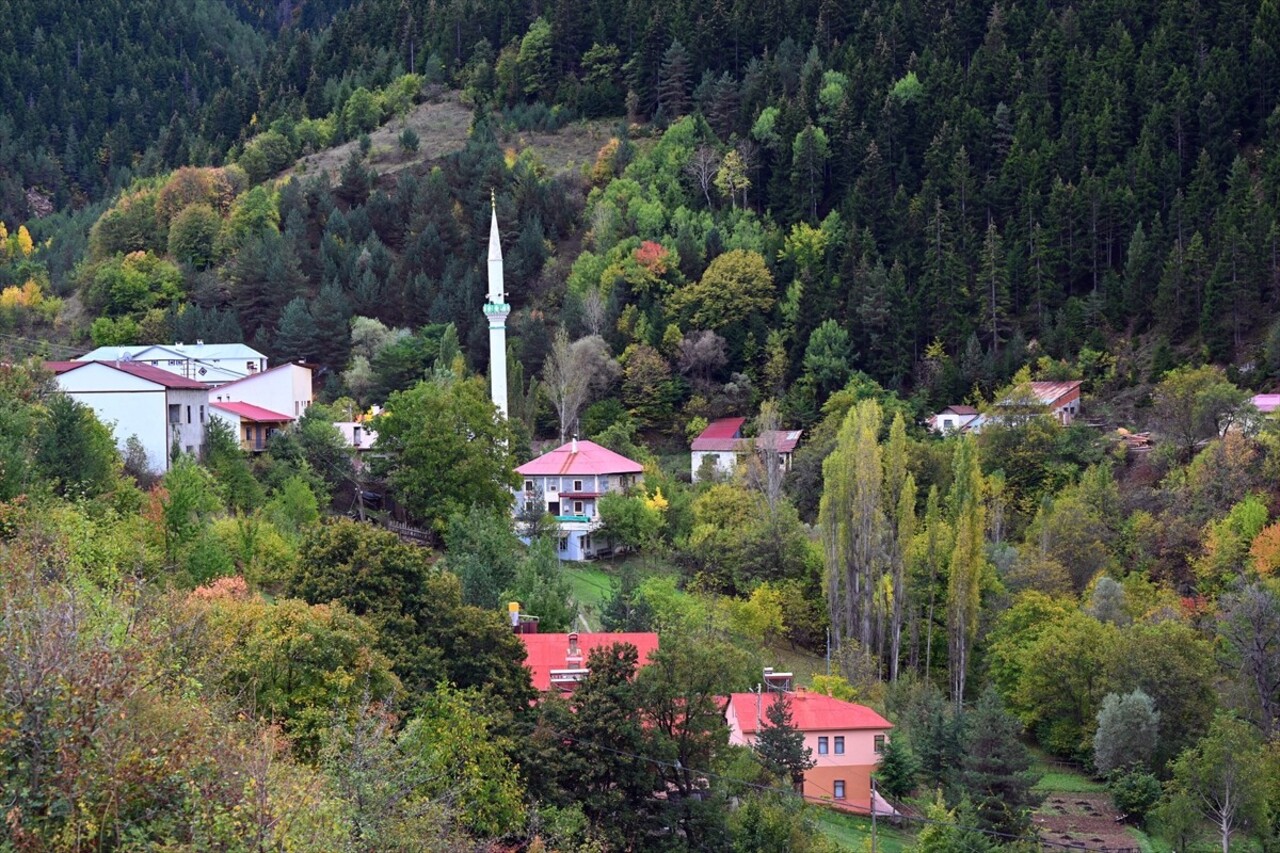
point(846, 742)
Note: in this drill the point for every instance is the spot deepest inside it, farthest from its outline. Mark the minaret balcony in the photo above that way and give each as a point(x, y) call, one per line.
point(495, 308)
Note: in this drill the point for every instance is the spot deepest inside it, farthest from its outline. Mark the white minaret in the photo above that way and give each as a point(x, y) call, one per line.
point(496, 310)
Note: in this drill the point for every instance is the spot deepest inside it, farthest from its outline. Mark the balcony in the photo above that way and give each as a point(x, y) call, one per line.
point(581, 519)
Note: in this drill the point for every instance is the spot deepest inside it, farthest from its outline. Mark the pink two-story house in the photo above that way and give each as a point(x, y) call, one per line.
point(846, 741)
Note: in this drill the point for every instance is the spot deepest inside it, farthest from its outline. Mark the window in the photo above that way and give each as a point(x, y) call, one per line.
point(879, 744)
point(202, 413)
point(188, 414)
point(577, 485)
point(822, 746)
point(564, 543)
point(250, 366)
point(839, 744)
point(530, 507)
point(528, 485)
point(175, 413)
point(577, 508)
point(604, 484)
point(838, 789)
point(586, 542)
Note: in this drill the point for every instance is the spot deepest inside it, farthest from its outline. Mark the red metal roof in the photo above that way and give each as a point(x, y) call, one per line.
point(782, 440)
point(961, 410)
point(250, 412)
point(1050, 393)
point(720, 434)
point(158, 375)
point(588, 459)
point(810, 712)
point(545, 652)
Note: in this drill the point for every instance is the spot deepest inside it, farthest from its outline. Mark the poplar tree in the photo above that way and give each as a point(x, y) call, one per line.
point(968, 563)
point(900, 505)
point(853, 522)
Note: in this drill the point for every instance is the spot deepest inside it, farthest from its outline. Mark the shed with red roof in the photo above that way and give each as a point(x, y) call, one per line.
point(253, 425)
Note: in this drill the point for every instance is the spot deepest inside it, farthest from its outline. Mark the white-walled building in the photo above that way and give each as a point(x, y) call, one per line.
point(209, 364)
point(285, 389)
point(161, 408)
point(722, 442)
point(567, 483)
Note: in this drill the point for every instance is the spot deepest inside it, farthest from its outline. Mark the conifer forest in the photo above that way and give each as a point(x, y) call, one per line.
point(1004, 275)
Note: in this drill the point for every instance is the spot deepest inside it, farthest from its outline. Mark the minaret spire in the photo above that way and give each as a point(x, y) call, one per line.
point(496, 311)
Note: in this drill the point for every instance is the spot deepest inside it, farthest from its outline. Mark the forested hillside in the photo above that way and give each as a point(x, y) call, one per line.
point(813, 216)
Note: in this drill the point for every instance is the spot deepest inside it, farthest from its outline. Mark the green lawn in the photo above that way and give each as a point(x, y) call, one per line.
point(591, 586)
point(854, 833)
point(1062, 778)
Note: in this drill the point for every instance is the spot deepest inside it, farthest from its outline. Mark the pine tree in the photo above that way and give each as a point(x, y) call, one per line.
point(331, 313)
point(296, 335)
point(673, 81)
point(996, 769)
point(780, 745)
point(896, 775)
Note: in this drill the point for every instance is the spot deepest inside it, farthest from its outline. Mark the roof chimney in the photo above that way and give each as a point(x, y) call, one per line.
point(513, 609)
point(802, 693)
point(574, 445)
point(573, 659)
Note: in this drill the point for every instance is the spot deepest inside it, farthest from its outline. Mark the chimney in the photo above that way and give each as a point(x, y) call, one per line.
point(573, 659)
point(574, 445)
point(513, 609)
point(802, 693)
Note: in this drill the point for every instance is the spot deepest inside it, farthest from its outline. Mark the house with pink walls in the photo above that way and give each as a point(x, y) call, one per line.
point(846, 741)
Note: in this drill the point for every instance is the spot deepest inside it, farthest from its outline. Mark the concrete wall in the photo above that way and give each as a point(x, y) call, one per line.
point(193, 412)
point(285, 390)
point(131, 406)
point(725, 461)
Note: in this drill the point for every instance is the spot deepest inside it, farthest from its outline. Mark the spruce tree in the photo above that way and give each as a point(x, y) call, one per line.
point(995, 772)
point(896, 775)
point(296, 334)
point(780, 745)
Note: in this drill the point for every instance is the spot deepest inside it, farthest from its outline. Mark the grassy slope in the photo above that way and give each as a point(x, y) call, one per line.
point(854, 833)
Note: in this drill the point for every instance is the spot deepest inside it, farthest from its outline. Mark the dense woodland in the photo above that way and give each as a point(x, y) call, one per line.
point(820, 216)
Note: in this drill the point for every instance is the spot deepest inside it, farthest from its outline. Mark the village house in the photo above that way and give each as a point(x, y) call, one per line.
point(953, 419)
point(252, 425)
point(160, 408)
point(567, 483)
point(558, 662)
point(1061, 399)
point(846, 741)
point(719, 445)
point(209, 364)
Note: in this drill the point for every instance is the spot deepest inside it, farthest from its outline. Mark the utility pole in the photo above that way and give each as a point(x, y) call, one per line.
point(873, 814)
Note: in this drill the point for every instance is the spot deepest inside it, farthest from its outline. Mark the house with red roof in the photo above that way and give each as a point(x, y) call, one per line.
point(567, 483)
point(558, 662)
point(1060, 399)
point(719, 445)
point(253, 425)
point(159, 408)
point(953, 419)
point(846, 741)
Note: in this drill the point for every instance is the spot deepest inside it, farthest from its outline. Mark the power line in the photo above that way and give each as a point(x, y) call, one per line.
point(676, 765)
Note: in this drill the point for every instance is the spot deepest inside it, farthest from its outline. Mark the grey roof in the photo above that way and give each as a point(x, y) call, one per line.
point(200, 352)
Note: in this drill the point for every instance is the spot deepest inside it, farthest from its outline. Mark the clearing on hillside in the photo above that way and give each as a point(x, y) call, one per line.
point(442, 123)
